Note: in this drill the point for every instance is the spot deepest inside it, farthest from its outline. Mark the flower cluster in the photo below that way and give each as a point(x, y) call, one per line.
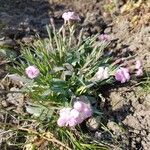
point(76, 115)
point(123, 74)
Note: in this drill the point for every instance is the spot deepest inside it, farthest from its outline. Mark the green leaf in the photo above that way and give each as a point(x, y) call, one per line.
point(40, 111)
point(46, 93)
point(8, 53)
point(57, 69)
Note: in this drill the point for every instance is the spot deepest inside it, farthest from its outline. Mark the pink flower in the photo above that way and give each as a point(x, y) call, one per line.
point(104, 37)
point(139, 72)
point(75, 118)
point(67, 16)
point(122, 75)
point(138, 64)
point(32, 72)
point(102, 73)
point(72, 117)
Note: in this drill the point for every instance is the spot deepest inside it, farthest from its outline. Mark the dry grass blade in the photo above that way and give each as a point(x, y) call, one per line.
point(51, 137)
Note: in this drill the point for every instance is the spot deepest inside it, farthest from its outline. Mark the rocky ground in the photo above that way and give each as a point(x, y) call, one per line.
point(125, 107)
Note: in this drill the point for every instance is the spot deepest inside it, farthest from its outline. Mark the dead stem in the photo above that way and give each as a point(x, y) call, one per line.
point(51, 139)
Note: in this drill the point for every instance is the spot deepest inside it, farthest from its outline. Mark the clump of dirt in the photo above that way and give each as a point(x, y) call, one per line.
point(138, 125)
point(128, 109)
point(24, 17)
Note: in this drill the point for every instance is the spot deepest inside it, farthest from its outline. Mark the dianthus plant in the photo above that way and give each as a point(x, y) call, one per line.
point(65, 74)
point(65, 65)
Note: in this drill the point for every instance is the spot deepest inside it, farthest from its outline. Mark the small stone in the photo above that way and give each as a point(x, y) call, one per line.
point(4, 103)
point(143, 133)
point(98, 135)
point(28, 39)
point(138, 139)
point(108, 30)
point(114, 127)
point(93, 123)
point(15, 98)
point(132, 122)
point(116, 100)
point(136, 131)
point(146, 102)
point(148, 137)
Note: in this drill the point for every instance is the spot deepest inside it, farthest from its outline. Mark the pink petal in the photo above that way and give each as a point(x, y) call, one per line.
point(105, 73)
point(126, 73)
point(99, 74)
point(104, 37)
point(122, 75)
point(74, 113)
point(139, 72)
point(87, 112)
point(65, 112)
point(80, 119)
point(78, 105)
point(61, 122)
point(138, 64)
point(118, 75)
point(72, 122)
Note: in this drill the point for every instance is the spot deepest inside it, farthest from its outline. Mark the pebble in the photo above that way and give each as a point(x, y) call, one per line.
point(108, 30)
point(93, 123)
point(28, 39)
point(4, 103)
